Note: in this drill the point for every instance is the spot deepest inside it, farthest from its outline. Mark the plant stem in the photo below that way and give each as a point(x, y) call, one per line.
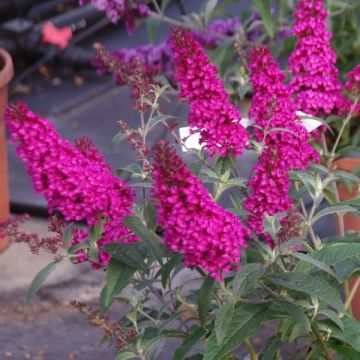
point(351, 294)
point(325, 349)
point(252, 351)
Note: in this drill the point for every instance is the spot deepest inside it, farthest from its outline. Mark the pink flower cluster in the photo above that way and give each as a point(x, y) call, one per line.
point(315, 84)
point(353, 80)
point(74, 180)
point(211, 113)
point(127, 10)
point(206, 235)
point(284, 139)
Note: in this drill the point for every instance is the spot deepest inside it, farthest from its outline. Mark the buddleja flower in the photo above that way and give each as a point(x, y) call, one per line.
point(127, 10)
point(157, 59)
point(211, 113)
point(194, 225)
point(285, 140)
point(353, 80)
point(315, 84)
point(74, 180)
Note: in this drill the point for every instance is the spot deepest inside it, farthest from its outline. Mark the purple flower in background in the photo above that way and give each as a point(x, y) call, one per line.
point(158, 59)
point(127, 10)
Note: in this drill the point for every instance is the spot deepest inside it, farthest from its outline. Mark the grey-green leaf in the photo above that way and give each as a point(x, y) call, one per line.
point(204, 299)
point(264, 8)
point(295, 312)
point(194, 336)
point(121, 355)
point(39, 278)
point(148, 237)
point(244, 324)
point(336, 209)
point(222, 321)
point(118, 275)
point(247, 278)
point(310, 284)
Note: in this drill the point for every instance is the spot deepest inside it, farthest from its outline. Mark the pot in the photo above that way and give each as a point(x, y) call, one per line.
point(6, 74)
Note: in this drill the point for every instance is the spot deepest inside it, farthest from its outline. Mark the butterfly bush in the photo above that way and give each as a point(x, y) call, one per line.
point(211, 113)
point(284, 139)
point(157, 59)
point(116, 10)
point(315, 84)
point(194, 224)
point(74, 180)
point(353, 80)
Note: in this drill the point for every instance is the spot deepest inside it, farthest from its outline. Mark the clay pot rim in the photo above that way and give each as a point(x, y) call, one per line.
point(7, 71)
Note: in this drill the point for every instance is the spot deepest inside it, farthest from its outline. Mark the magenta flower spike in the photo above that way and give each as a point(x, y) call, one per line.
point(211, 113)
point(194, 224)
point(75, 180)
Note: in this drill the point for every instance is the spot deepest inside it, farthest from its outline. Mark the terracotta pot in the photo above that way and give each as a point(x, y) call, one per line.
point(351, 222)
point(6, 74)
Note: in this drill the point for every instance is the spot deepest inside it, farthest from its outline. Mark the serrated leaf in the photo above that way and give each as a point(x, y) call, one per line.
point(204, 299)
point(247, 278)
point(317, 263)
point(194, 336)
point(336, 209)
point(127, 254)
point(311, 285)
point(331, 255)
point(351, 333)
point(148, 237)
point(264, 8)
point(244, 324)
point(39, 279)
point(222, 321)
point(295, 312)
point(118, 275)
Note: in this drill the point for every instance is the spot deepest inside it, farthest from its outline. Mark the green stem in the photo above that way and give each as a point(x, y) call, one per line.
point(321, 342)
point(252, 351)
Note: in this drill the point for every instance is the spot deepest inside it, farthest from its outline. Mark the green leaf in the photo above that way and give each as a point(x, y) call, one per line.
point(68, 234)
point(271, 348)
point(152, 27)
point(168, 267)
point(117, 139)
point(204, 299)
point(194, 336)
point(118, 275)
point(334, 317)
point(331, 255)
point(222, 321)
point(127, 254)
point(317, 263)
point(345, 352)
point(39, 278)
point(295, 312)
point(264, 8)
point(157, 119)
point(352, 202)
point(244, 324)
point(336, 209)
point(148, 237)
point(351, 333)
point(247, 278)
point(125, 355)
point(209, 8)
point(219, 9)
point(310, 284)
